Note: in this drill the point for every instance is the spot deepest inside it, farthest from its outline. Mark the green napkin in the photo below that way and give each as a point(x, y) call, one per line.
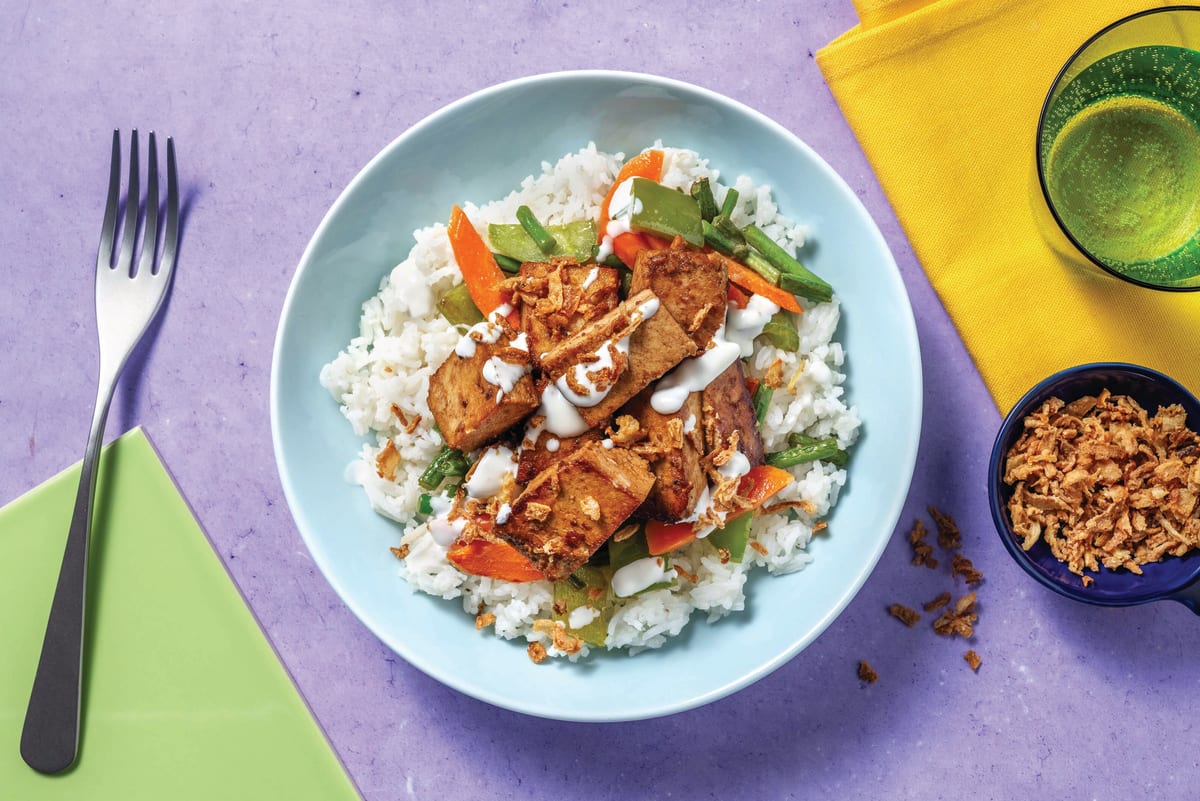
point(184, 698)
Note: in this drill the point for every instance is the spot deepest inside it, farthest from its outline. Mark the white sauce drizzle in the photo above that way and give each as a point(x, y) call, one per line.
point(505, 375)
point(592, 275)
point(552, 444)
point(488, 331)
point(694, 374)
point(689, 425)
point(443, 530)
point(639, 575)
point(503, 514)
point(620, 208)
point(561, 418)
point(743, 325)
point(581, 616)
point(487, 477)
point(592, 394)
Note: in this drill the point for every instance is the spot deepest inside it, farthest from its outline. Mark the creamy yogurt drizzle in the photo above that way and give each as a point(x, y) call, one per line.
point(743, 325)
point(639, 575)
point(443, 530)
point(621, 207)
point(694, 374)
point(487, 477)
point(488, 331)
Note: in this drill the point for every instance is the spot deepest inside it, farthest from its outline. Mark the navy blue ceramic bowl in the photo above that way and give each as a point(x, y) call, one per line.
point(1175, 578)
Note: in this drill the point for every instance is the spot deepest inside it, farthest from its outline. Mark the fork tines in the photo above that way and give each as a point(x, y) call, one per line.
point(152, 234)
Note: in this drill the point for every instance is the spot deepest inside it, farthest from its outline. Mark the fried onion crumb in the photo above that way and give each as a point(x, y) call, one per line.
point(537, 652)
point(401, 552)
point(948, 535)
point(922, 551)
point(958, 621)
point(867, 673)
point(484, 620)
point(937, 603)
point(908, 617)
point(973, 660)
point(962, 566)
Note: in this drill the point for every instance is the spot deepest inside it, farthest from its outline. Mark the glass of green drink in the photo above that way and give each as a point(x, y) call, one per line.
point(1118, 148)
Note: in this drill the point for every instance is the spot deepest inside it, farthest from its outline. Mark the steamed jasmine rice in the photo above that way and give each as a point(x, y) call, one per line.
point(381, 381)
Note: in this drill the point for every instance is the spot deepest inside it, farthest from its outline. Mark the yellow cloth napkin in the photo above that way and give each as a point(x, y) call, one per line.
point(944, 98)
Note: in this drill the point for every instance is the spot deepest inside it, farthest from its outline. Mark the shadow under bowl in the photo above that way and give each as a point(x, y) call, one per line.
point(1174, 578)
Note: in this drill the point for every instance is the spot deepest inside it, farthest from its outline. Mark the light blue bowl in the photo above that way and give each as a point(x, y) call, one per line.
point(479, 149)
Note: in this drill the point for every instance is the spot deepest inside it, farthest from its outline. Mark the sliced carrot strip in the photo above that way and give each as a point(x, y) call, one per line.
point(480, 272)
point(497, 560)
point(749, 280)
point(737, 297)
point(647, 164)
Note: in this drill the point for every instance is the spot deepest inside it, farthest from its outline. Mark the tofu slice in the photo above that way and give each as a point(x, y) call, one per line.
point(535, 457)
point(691, 284)
point(679, 477)
point(470, 410)
point(559, 297)
point(569, 509)
point(727, 407)
point(656, 344)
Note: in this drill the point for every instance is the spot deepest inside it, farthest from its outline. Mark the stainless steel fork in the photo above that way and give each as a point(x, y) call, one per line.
point(127, 299)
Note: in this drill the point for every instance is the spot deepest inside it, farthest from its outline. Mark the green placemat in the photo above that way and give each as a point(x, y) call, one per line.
point(184, 698)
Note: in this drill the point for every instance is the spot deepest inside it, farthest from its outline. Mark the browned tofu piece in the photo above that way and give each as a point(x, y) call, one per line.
point(549, 449)
point(727, 408)
point(657, 344)
point(677, 445)
point(465, 404)
point(691, 284)
point(559, 297)
point(572, 507)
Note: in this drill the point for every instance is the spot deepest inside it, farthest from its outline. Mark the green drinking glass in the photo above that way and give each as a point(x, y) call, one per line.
point(1118, 148)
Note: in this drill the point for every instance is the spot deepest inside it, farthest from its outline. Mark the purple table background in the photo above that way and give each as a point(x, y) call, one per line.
point(274, 111)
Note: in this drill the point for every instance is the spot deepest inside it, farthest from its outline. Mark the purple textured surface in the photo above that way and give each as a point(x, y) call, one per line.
point(274, 110)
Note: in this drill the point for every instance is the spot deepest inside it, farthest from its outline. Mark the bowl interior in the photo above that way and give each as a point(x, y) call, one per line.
point(479, 149)
point(1149, 388)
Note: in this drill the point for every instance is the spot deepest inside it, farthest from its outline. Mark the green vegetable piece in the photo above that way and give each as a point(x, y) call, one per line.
point(543, 238)
point(739, 251)
point(702, 193)
point(725, 225)
point(627, 550)
point(631, 549)
point(733, 537)
point(727, 205)
point(575, 239)
point(794, 276)
point(448, 462)
point(824, 449)
point(762, 400)
point(458, 308)
point(590, 588)
point(425, 504)
point(665, 212)
point(781, 332)
point(611, 260)
point(511, 266)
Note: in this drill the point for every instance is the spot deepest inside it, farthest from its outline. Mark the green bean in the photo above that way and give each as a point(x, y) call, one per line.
point(507, 263)
point(825, 450)
point(794, 277)
point(448, 462)
point(730, 202)
point(540, 235)
point(742, 253)
point(702, 192)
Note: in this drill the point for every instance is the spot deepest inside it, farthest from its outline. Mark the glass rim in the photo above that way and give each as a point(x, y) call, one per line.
point(1037, 149)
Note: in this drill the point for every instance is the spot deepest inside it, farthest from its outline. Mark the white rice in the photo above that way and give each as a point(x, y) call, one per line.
point(403, 339)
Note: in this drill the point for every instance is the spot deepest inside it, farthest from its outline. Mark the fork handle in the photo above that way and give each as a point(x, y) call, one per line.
point(50, 738)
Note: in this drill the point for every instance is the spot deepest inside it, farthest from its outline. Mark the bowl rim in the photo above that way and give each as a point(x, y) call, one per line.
point(908, 439)
point(1012, 420)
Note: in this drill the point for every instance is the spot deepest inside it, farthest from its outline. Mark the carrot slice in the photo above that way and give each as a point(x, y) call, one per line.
point(749, 280)
point(666, 537)
point(647, 164)
point(737, 297)
point(497, 560)
point(752, 384)
point(480, 272)
point(762, 482)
